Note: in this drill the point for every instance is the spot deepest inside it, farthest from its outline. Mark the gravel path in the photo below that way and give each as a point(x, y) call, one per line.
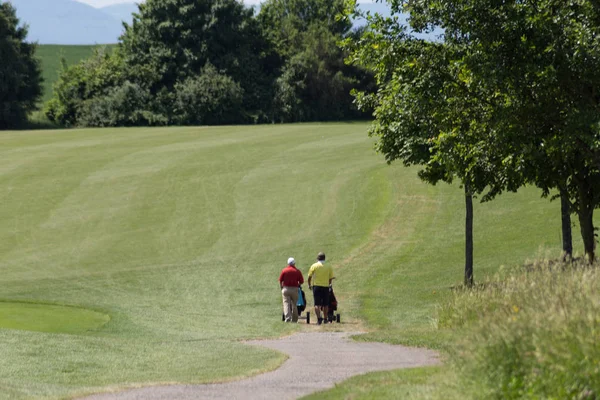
point(316, 361)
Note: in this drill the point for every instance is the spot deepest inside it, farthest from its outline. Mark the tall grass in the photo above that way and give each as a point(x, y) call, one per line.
point(531, 333)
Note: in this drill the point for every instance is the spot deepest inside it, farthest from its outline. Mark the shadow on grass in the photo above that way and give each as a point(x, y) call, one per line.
point(37, 121)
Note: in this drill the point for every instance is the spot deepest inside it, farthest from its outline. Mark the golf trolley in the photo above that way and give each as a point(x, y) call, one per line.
point(331, 311)
point(301, 304)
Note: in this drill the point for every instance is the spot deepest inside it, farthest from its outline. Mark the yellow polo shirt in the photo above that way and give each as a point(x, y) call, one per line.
point(320, 273)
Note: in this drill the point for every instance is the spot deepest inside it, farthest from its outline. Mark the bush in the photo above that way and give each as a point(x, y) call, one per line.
point(102, 92)
point(531, 335)
point(127, 105)
point(91, 78)
point(209, 99)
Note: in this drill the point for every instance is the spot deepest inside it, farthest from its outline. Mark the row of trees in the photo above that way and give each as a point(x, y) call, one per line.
point(511, 96)
point(216, 62)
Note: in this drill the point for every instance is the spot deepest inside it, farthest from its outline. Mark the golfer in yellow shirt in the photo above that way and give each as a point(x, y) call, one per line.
point(321, 275)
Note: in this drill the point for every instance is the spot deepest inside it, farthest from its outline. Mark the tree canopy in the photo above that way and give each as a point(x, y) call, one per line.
point(170, 41)
point(215, 62)
point(541, 58)
point(314, 82)
point(509, 97)
point(20, 73)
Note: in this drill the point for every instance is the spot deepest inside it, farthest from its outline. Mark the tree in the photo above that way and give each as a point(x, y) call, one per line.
point(284, 21)
point(101, 75)
point(209, 99)
point(20, 73)
point(314, 82)
point(317, 81)
point(179, 62)
point(170, 41)
point(542, 57)
point(430, 112)
point(565, 219)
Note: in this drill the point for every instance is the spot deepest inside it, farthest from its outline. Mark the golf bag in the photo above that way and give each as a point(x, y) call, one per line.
point(301, 304)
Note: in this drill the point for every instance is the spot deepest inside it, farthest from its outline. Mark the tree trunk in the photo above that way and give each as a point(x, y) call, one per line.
point(468, 238)
point(567, 236)
point(586, 219)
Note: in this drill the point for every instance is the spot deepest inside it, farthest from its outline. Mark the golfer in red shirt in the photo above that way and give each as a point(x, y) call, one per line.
point(290, 280)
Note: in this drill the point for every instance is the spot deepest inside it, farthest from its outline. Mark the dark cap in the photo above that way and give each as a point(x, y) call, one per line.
point(321, 256)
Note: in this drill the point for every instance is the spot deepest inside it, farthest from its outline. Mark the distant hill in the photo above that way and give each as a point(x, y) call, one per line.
point(67, 22)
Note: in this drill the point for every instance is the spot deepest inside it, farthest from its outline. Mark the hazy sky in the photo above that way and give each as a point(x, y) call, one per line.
point(102, 3)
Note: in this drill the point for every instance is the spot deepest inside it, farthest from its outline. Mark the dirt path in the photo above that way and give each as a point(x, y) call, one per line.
point(316, 361)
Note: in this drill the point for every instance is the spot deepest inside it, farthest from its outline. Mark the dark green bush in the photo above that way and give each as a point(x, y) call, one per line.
point(126, 105)
point(209, 99)
point(90, 79)
point(20, 73)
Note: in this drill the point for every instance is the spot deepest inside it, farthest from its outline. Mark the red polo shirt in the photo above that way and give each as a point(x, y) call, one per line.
point(291, 276)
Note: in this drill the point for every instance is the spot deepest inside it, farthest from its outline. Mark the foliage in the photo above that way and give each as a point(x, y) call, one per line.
point(281, 75)
point(209, 99)
point(428, 109)
point(285, 21)
point(532, 334)
point(540, 58)
point(507, 98)
point(79, 83)
point(429, 112)
point(157, 75)
point(20, 73)
point(170, 41)
point(314, 83)
point(126, 105)
point(51, 57)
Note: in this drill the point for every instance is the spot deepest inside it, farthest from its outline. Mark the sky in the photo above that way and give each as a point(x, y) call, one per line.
point(103, 3)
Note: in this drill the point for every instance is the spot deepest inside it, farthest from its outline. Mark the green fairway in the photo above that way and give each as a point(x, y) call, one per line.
point(178, 236)
point(49, 318)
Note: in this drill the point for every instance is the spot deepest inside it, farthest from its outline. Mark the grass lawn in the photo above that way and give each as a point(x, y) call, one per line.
point(405, 384)
point(167, 244)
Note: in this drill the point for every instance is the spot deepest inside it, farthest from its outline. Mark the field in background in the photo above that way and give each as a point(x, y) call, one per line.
point(176, 237)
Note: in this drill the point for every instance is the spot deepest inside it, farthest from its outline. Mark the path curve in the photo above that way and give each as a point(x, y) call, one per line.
point(317, 361)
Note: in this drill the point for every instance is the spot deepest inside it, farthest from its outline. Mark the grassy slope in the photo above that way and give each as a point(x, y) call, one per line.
point(179, 234)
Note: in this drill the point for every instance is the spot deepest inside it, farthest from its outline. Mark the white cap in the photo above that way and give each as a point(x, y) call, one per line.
point(291, 261)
